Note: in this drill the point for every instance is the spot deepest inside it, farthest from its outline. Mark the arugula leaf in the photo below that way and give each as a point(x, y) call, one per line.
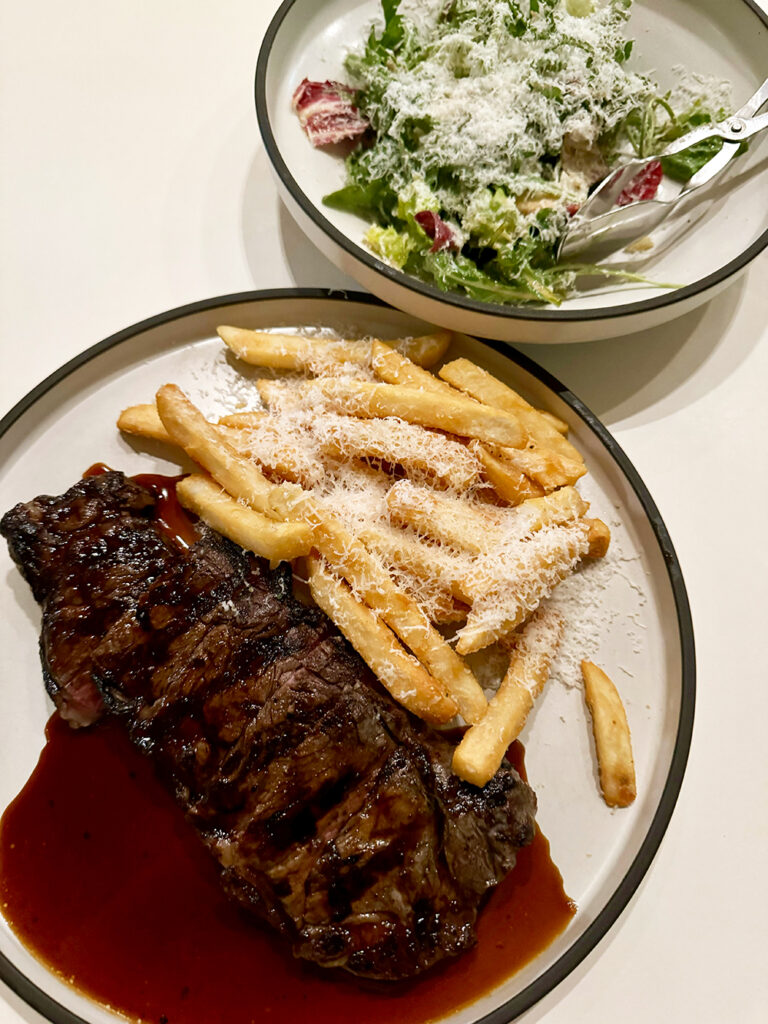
point(452, 271)
point(374, 200)
point(393, 25)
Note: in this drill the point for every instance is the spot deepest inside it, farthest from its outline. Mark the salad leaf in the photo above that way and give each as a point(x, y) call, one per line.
point(393, 25)
point(392, 245)
point(454, 271)
point(683, 166)
point(493, 219)
point(374, 200)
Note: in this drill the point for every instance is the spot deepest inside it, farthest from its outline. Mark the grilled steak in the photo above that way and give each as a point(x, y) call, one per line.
point(332, 813)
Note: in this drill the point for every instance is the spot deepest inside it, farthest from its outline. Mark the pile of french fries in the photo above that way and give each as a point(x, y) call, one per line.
point(412, 503)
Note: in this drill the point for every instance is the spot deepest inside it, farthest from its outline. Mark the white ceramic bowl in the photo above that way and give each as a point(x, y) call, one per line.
point(726, 38)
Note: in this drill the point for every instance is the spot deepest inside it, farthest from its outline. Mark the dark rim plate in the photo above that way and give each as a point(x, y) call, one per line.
point(582, 946)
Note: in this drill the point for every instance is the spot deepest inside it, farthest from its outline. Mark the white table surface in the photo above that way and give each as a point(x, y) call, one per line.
point(133, 180)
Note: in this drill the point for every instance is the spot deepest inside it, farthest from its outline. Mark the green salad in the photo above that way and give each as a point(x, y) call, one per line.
point(489, 122)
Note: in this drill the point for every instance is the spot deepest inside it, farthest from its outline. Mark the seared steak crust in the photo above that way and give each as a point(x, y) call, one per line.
point(332, 813)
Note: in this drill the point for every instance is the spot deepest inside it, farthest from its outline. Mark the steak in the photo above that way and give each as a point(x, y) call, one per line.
point(332, 813)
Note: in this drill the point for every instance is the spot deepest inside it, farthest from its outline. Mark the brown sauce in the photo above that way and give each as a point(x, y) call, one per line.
point(169, 514)
point(105, 882)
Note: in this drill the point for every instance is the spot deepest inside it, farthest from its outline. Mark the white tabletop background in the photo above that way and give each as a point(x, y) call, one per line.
point(133, 180)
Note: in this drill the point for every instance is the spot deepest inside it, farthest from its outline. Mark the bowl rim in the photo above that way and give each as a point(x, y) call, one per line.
point(428, 291)
point(45, 1004)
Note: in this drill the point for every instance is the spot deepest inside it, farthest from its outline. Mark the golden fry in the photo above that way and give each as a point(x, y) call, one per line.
point(433, 568)
point(460, 524)
point(483, 746)
point(477, 528)
point(425, 350)
point(599, 537)
point(143, 421)
point(407, 681)
point(509, 483)
point(249, 420)
point(202, 441)
point(612, 737)
point(420, 452)
point(560, 425)
point(394, 368)
point(544, 466)
point(483, 386)
point(442, 412)
point(507, 592)
point(296, 352)
point(279, 542)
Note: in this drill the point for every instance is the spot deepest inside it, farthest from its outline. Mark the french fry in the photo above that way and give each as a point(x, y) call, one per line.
point(547, 468)
point(248, 420)
point(296, 352)
point(435, 567)
point(452, 521)
point(483, 386)
point(407, 681)
point(456, 415)
point(437, 603)
point(478, 528)
point(202, 441)
point(348, 557)
point(275, 449)
point(613, 743)
point(560, 425)
point(290, 351)
point(599, 538)
point(394, 368)
point(508, 479)
point(509, 483)
point(279, 542)
point(426, 349)
point(507, 589)
point(143, 421)
point(418, 451)
point(482, 748)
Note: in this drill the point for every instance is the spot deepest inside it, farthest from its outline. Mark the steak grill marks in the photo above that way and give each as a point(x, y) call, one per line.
point(332, 813)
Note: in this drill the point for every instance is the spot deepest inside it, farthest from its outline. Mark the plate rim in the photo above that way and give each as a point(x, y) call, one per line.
point(428, 291)
point(607, 916)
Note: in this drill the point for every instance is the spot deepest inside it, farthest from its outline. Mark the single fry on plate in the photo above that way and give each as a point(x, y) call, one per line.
point(613, 742)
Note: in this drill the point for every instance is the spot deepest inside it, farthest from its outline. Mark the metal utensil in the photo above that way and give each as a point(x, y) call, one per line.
point(602, 227)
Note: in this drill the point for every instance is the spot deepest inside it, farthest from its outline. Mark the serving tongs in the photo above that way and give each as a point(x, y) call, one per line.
point(608, 221)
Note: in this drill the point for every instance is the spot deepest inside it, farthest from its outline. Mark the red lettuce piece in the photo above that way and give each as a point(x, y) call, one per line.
point(645, 185)
point(442, 234)
point(327, 112)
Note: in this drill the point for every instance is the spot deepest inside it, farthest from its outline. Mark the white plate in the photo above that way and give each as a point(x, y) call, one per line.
point(726, 38)
point(631, 615)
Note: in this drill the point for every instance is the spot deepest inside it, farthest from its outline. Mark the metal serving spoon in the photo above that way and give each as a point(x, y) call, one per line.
point(602, 227)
